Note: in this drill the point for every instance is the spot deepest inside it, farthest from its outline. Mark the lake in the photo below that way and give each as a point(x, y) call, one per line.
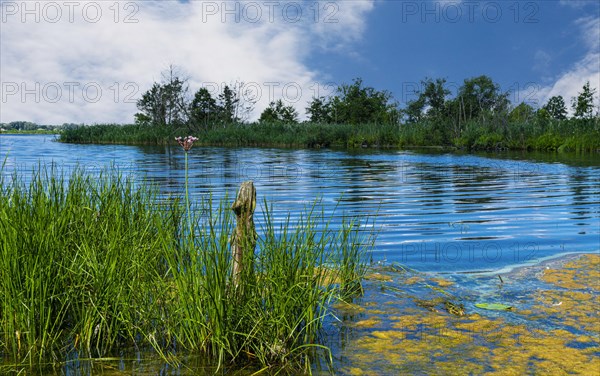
point(434, 211)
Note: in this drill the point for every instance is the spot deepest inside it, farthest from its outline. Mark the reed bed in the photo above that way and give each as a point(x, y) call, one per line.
point(573, 135)
point(94, 264)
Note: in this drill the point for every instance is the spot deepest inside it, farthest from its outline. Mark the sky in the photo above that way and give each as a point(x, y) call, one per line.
point(90, 61)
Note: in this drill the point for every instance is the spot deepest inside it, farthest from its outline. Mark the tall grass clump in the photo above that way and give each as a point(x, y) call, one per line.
point(271, 313)
point(273, 316)
point(80, 257)
point(95, 264)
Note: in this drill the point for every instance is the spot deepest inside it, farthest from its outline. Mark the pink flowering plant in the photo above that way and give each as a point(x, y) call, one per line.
point(187, 143)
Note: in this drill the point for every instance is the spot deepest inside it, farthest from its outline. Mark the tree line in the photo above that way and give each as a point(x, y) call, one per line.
point(478, 99)
point(27, 126)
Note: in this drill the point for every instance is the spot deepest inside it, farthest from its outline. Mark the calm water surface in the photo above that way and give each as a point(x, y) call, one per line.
point(435, 211)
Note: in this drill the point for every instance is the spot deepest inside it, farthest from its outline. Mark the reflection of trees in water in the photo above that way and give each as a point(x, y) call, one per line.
point(160, 165)
point(281, 167)
point(428, 182)
point(165, 167)
point(585, 195)
point(476, 187)
point(226, 178)
point(368, 171)
point(364, 182)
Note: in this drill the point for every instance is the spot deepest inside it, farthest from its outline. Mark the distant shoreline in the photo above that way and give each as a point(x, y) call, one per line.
point(567, 136)
point(35, 132)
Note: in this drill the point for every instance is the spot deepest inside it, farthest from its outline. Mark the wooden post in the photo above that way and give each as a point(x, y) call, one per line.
point(243, 239)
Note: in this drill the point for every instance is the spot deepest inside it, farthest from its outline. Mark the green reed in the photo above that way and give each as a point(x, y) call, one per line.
point(493, 134)
point(80, 255)
point(98, 263)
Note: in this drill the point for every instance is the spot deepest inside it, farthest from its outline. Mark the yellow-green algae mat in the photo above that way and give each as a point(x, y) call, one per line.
point(553, 327)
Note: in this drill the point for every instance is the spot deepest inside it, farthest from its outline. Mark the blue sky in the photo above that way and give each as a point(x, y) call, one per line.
point(89, 61)
point(526, 48)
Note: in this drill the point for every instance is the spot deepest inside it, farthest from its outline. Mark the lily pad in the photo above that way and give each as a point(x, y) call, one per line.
point(495, 306)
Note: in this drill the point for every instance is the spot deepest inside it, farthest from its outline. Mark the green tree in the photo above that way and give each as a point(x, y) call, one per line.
point(319, 111)
point(142, 118)
point(228, 101)
point(277, 112)
point(22, 126)
point(175, 90)
point(414, 110)
point(235, 103)
point(431, 102)
point(523, 113)
point(583, 105)
point(152, 106)
point(435, 94)
point(542, 117)
point(556, 108)
point(356, 104)
point(165, 103)
point(203, 109)
point(480, 98)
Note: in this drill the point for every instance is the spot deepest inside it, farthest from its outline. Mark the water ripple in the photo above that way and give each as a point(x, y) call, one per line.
point(435, 212)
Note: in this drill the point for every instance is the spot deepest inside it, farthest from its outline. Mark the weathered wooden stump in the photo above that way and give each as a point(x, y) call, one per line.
point(243, 239)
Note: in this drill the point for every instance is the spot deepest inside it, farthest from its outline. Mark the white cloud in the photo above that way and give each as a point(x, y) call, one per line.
point(54, 64)
point(340, 23)
point(576, 3)
point(570, 83)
